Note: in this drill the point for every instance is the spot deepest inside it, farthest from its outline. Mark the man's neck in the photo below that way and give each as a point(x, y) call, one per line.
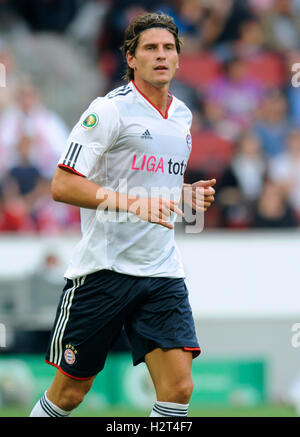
point(158, 96)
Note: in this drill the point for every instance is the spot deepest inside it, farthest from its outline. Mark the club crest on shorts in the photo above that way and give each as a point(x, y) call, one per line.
point(70, 354)
point(90, 121)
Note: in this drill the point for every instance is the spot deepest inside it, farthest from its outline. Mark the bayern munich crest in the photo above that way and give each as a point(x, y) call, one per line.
point(189, 141)
point(69, 356)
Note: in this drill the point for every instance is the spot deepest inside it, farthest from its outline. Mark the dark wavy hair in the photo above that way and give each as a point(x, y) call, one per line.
point(144, 22)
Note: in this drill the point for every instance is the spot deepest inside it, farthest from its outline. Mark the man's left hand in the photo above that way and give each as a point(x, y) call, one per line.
point(199, 195)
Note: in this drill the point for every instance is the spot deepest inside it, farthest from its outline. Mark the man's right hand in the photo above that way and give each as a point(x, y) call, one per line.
point(155, 210)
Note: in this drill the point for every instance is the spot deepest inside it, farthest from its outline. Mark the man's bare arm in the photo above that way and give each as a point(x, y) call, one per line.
point(68, 187)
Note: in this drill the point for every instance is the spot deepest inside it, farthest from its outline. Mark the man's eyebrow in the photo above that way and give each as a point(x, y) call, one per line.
point(150, 44)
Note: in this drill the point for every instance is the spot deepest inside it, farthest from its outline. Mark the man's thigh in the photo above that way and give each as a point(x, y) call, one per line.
point(169, 369)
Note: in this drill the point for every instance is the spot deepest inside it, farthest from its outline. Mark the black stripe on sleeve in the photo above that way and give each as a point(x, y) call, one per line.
point(68, 152)
point(72, 154)
point(75, 159)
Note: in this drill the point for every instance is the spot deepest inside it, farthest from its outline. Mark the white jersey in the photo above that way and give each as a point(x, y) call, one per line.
point(123, 142)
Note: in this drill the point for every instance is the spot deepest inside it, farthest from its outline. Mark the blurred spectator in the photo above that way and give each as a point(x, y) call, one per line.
point(241, 183)
point(14, 215)
point(225, 18)
point(282, 26)
point(206, 24)
point(237, 95)
point(260, 6)
point(53, 217)
point(272, 209)
point(25, 175)
point(187, 14)
point(28, 117)
point(285, 170)
point(261, 63)
point(190, 17)
point(272, 125)
point(249, 42)
point(251, 39)
point(216, 120)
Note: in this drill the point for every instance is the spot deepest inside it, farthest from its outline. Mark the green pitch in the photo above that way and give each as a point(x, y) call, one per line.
point(264, 410)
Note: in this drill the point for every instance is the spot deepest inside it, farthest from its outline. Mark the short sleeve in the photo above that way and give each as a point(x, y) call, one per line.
point(95, 132)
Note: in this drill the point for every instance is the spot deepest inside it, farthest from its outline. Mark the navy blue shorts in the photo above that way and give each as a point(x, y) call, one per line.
point(93, 309)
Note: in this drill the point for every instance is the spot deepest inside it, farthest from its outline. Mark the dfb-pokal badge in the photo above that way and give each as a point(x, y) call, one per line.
point(90, 121)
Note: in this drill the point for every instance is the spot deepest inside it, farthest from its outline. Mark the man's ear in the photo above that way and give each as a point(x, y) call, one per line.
point(130, 60)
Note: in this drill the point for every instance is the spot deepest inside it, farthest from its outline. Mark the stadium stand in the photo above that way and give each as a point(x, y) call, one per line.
point(233, 78)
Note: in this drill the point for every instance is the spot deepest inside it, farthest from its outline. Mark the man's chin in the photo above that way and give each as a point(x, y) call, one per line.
point(160, 83)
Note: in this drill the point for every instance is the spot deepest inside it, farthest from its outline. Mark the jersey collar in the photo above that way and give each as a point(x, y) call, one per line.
point(154, 106)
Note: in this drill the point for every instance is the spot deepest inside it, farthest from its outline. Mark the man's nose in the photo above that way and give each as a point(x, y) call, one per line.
point(161, 54)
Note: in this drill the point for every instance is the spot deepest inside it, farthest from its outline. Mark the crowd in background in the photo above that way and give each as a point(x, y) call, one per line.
point(235, 75)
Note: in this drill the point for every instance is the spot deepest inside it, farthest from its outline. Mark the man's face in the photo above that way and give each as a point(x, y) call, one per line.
point(156, 58)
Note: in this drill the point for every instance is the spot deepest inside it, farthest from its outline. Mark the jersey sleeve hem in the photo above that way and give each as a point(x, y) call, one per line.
point(71, 169)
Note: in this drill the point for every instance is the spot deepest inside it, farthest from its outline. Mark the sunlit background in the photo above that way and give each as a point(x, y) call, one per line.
point(238, 76)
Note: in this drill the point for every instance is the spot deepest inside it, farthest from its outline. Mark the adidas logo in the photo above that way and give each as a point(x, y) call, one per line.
point(146, 135)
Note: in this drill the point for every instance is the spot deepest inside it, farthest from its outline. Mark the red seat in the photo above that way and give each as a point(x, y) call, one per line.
point(209, 152)
point(267, 68)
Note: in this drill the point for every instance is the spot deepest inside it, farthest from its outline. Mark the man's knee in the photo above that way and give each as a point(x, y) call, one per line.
point(70, 398)
point(183, 390)
point(179, 391)
point(66, 393)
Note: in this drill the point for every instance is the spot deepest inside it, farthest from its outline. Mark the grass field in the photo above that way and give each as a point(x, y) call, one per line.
point(264, 410)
